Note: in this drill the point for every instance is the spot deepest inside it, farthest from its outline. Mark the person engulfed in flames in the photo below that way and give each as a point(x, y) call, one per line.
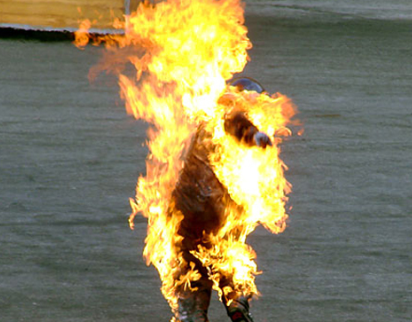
point(213, 172)
point(203, 199)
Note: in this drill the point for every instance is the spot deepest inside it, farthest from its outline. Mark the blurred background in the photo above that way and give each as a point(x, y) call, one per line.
point(70, 158)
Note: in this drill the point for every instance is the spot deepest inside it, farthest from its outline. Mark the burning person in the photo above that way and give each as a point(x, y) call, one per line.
point(213, 172)
point(203, 199)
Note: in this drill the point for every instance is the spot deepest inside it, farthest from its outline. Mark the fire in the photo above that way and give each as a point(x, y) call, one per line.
point(186, 50)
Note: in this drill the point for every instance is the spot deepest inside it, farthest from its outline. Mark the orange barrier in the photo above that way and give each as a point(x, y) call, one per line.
point(62, 14)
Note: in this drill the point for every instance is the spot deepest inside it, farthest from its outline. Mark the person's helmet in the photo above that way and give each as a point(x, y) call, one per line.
point(246, 83)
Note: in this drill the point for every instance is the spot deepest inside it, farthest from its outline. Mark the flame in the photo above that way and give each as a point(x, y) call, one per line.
point(82, 34)
point(186, 50)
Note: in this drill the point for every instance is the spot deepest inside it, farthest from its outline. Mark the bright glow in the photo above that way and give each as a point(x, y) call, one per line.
point(184, 52)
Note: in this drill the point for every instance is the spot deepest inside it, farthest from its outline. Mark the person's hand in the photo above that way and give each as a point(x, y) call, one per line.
point(262, 139)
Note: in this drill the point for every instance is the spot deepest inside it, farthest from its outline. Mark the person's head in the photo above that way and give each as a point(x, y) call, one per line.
point(246, 83)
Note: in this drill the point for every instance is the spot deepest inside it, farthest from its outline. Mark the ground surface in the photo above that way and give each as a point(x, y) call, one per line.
point(70, 157)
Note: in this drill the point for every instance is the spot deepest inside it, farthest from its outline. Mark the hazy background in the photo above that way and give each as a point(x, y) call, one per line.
point(70, 158)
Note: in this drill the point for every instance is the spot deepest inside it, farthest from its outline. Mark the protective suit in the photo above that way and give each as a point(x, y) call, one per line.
point(202, 200)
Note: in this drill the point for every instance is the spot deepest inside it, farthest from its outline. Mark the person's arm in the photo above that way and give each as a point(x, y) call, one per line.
point(238, 125)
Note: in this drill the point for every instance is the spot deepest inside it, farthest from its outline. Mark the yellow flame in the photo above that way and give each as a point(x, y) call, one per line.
point(186, 51)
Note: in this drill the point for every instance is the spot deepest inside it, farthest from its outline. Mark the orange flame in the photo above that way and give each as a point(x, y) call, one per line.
point(187, 51)
point(82, 35)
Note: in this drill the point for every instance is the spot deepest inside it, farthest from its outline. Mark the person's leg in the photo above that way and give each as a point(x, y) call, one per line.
point(238, 310)
point(193, 305)
point(236, 304)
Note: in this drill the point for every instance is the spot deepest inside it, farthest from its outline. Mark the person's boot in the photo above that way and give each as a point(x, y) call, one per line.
point(193, 307)
point(238, 310)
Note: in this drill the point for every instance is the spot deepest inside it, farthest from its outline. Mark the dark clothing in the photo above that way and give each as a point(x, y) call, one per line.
point(237, 124)
point(202, 200)
point(199, 195)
